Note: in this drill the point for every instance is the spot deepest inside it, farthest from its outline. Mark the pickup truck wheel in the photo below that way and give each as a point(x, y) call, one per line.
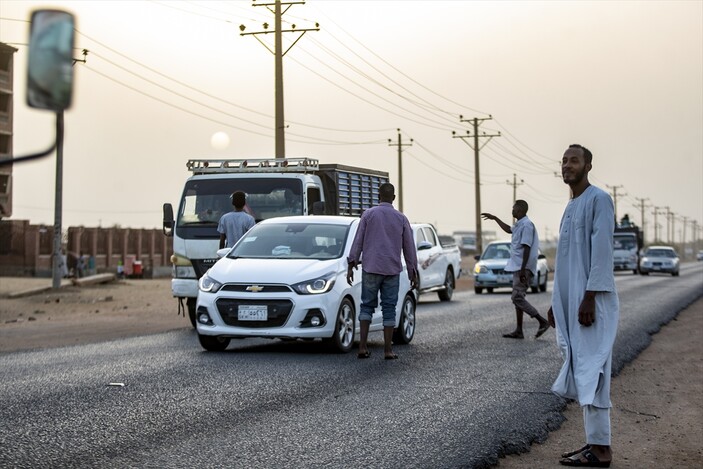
point(405, 331)
point(543, 287)
point(190, 303)
point(446, 294)
point(478, 290)
point(213, 343)
point(345, 327)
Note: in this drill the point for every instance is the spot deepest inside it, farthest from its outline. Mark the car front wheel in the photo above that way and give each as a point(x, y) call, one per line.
point(190, 303)
point(405, 331)
point(478, 290)
point(343, 337)
point(213, 343)
point(543, 286)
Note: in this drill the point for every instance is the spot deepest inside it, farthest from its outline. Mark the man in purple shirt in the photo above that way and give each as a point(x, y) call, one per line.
point(383, 232)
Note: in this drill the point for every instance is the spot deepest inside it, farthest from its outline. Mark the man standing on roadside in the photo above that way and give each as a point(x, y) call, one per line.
point(585, 308)
point(234, 224)
point(382, 233)
point(524, 249)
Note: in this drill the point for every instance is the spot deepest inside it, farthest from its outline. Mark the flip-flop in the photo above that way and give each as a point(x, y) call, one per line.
point(365, 354)
point(541, 331)
point(591, 460)
point(572, 453)
point(391, 357)
point(513, 335)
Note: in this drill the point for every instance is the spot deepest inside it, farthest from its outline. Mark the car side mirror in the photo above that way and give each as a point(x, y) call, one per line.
point(477, 257)
point(422, 245)
point(541, 256)
point(50, 62)
point(222, 252)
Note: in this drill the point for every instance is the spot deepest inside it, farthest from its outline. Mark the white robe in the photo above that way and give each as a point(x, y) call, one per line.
point(584, 261)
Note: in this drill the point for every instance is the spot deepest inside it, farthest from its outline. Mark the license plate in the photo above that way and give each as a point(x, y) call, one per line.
point(505, 279)
point(252, 313)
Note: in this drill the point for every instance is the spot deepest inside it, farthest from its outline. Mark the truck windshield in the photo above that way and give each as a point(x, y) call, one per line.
point(627, 243)
point(206, 200)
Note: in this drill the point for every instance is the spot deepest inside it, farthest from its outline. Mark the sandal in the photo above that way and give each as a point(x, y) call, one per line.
point(585, 458)
point(573, 453)
point(514, 335)
point(365, 354)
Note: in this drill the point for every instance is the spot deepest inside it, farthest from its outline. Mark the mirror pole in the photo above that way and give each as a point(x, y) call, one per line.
point(57, 258)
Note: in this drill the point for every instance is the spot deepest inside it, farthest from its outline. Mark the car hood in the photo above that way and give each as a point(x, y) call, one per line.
point(280, 271)
point(494, 263)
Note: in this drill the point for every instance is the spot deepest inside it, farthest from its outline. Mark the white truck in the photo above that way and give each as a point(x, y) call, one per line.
point(439, 266)
point(274, 187)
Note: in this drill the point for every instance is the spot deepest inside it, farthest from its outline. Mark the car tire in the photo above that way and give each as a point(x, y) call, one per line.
point(674, 274)
point(489, 289)
point(342, 339)
point(634, 272)
point(535, 288)
point(446, 294)
point(543, 286)
point(642, 272)
point(213, 343)
point(405, 331)
point(478, 290)
point(190, 304)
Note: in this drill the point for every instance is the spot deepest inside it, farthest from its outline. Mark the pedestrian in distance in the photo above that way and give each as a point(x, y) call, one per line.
point(585, 307)
point(382, 234)
point(524, 249)
point(234, 224)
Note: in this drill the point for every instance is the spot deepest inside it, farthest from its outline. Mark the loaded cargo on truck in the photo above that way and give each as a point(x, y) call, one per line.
point(274, 188)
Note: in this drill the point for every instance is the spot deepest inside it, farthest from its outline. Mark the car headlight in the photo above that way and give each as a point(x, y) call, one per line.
point(208, 284)
point(480, 269)
point(316, 286)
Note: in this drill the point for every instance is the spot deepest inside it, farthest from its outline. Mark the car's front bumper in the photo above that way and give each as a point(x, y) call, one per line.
point(287, 315)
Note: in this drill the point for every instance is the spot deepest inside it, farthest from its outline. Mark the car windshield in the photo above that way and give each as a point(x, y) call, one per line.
point(660, 253)
point(497, 251)
point(292, 241)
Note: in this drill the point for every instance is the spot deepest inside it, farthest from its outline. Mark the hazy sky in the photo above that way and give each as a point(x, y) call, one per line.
point(622, 78)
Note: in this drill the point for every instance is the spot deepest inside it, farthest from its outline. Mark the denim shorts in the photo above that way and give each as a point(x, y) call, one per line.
point(371, 285)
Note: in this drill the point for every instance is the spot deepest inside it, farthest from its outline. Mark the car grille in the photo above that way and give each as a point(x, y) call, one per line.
point(498, 271)
point(256, 288)
point(278, 312)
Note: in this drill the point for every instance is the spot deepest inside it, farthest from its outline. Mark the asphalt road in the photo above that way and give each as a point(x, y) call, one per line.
point(459, 396)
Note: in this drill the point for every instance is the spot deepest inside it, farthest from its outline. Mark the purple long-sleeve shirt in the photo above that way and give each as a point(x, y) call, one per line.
point(383, 232)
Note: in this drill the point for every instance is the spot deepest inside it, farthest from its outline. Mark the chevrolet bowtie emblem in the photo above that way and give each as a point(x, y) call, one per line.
point(255, 288)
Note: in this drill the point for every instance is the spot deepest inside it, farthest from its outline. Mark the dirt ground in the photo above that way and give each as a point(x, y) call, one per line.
point(657, 419)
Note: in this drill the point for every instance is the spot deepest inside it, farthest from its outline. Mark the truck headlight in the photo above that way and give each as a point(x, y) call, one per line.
point(316, 286)
point(182, 267)
point(208, 284)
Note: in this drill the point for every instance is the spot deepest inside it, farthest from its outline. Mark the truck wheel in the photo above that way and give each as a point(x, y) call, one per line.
point(345, 326)
point(213, 343)
point(543, 287)
point(405, 331)
point(446, 294)
point(478, 290)
point(190, 302)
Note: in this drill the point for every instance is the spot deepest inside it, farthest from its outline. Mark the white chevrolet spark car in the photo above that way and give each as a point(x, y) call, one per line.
point(286, 279)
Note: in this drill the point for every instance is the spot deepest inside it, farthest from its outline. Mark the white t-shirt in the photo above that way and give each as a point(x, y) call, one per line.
point(524, 233)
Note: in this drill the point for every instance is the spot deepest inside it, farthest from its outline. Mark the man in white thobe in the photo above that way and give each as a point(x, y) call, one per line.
point(585, 308)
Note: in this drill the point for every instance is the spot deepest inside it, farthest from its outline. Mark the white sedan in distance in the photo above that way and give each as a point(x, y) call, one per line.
point(286, 278)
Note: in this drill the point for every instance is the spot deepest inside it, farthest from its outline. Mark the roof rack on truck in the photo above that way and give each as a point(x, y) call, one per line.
point(249, 165)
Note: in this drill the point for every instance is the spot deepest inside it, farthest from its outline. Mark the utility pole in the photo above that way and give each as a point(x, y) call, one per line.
point(656, 212)
point(668, 232)
point(642, 206)
point(56, 274)
point(683, 236)
point(400, 145)
point(515, 184)
point(475, 122)
point(278, 53)
point(615, 199)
